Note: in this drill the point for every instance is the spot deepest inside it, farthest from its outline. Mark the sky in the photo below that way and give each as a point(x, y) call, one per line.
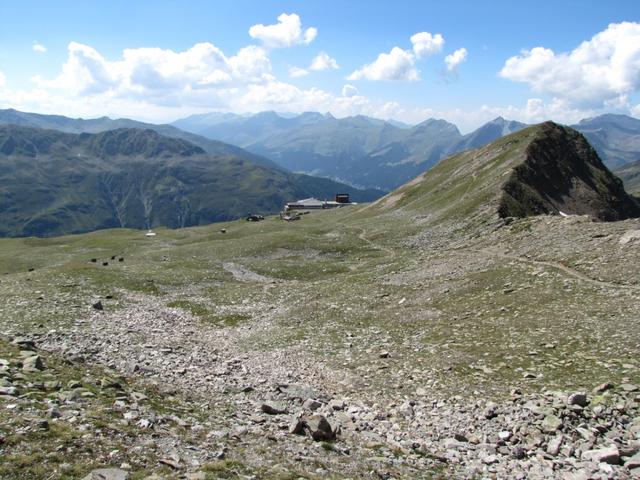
point(464, 61)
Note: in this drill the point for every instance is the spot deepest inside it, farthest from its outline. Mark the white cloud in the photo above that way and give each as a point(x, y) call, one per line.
point(297, 72)
point(38, 47)
point(323, 62)
point(349, 91)
point(320, 63)
point(398, 64)
point(601, 70)
point(154, 72)
point(425, 44)
point(3, 80)
point(286, 33)
point(454, 60)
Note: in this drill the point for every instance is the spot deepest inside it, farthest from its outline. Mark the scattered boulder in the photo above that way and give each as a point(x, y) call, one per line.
point(33, 363)
point(9, 391)
point(108, 474)
point(98, 305)
point(609, 455)
point(273, 408)
point(311, 404)
point(319, 428)
point(578, 399)
point(551, 423)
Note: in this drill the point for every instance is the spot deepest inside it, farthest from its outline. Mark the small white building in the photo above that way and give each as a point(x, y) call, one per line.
point(341, 199)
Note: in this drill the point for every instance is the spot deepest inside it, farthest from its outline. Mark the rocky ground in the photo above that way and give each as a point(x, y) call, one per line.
point(331, 350)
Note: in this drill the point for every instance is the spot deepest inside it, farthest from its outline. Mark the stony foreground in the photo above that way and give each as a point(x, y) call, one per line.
point(340, 353)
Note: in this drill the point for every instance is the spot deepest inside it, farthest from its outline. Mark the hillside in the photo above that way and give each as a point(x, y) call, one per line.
point(359, 150)
point(487, 133)
point(545, 169)
point(616, 138)
point(53, 183)
point(102, 124)
point(630, 175)
point(365, 151)
point(421, 336)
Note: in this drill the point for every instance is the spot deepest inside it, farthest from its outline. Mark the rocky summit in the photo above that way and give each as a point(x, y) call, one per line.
point(431, 334)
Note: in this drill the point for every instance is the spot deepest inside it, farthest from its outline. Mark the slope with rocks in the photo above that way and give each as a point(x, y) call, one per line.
point(54, 183)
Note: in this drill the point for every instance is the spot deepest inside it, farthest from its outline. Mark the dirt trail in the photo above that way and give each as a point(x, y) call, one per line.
point(559, 266)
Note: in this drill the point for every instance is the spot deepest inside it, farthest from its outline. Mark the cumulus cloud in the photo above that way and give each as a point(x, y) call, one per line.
point(286, 33)
point(425, 44)
point(349, 91)
point(38, 47)
point(453, 60)
point(398, 64)
point(323, 62)
point(603, 69)
point(155, 71)
point(297, 72)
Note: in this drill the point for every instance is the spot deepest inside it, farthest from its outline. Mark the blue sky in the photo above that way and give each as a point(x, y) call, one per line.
point(161, 60)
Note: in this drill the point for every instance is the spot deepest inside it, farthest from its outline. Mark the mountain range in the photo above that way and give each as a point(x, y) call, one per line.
point(370, 152)
point(53, 183)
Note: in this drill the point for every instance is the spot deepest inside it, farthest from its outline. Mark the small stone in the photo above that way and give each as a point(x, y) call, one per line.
point(272, 408)
point(24, 343)
point(578, 399)
point(603, 387)
point(384, 354)
point(336, 404)
point(551, 423)
point(9, 391)
point(52, 385)
point(33, 363)
point(633, 462)
point(108, 474)
point(529, 375)
point(43, 424)
point(311, 404)
point(629, 387)
point(490, 459)
point(553, 448)
point(297, 427)
point(609, 455)
point(504, 435)
point(319, 428)
point(54, 412)
point(98, 305)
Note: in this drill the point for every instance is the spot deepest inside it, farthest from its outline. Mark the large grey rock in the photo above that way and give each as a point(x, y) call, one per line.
point(553, 447)
point(551, 423)
point(633, 462)
point(609, 455)
point(273, 408)
point(108, 474)
point(10, 391)
point(578, 399)
point(319, 428)
point(33, 363)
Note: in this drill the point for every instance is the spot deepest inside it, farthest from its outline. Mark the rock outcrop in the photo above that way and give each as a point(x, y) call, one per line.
point(561, 172)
